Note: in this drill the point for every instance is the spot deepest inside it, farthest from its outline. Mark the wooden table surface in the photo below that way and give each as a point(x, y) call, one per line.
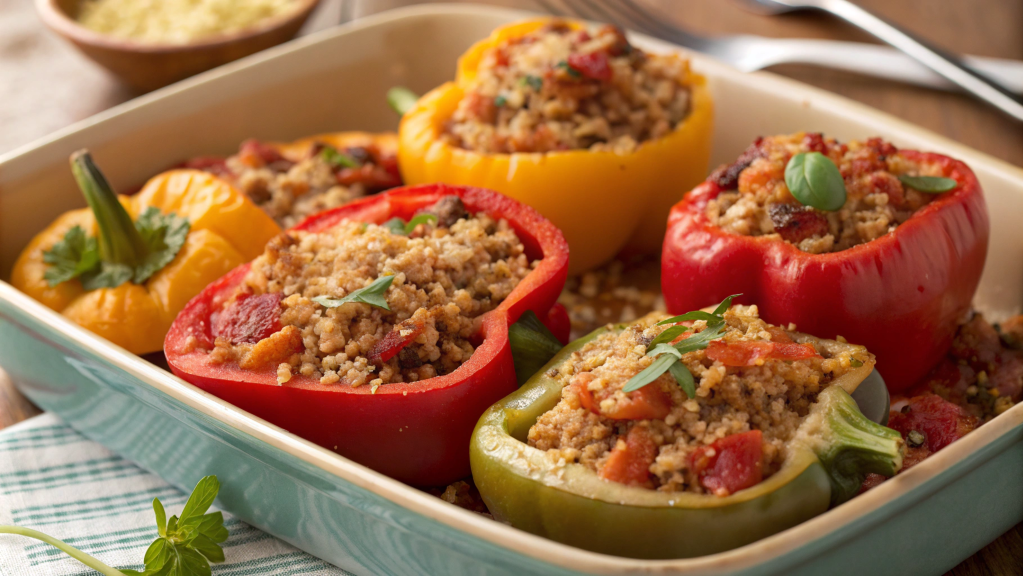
point(46, 85)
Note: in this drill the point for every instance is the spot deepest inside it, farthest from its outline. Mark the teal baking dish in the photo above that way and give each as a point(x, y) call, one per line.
point(924, 521)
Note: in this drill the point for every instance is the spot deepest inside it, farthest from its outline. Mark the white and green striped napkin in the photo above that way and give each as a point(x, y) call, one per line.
point(56, 481)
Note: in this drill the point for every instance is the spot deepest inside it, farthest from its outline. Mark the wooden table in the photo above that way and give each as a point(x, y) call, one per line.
point(46, 85)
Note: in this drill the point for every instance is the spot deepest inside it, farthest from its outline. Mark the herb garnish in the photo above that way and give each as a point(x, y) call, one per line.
point(336, 158)
point(814, 180)
point(928, 184)
point(534, 82)
point(668, 357)
point(372, 295)
point(568, 69)
point(398, 226)
point(500, 100)
point(401, 99)
point(185, 546)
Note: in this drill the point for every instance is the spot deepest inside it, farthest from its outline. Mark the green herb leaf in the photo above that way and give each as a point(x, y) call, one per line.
point(684, 378)
point(161, 517)
point(107, 276)
point(417, 220)
point(395, 225)
point(335, 158)
point(401, 99)
point(75, 254)
point(814, 180)
point(534, 82)
point(164, 235)
point(725, 305)
point(855, 363)
point(372, 295)
point(500, 100)
point(568, 68)
point(668, 335)
point(199, 501)
point(692, 317)
point(700, 340)
point(652, 372)
point(929, 184)
point(532, 345)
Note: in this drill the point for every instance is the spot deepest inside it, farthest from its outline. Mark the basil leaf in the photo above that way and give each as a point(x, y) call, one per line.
point(417, 220)
point(814, 180)
point(335, 158)
point(928, 184)
point(650, 373)
point(372, 295)
point(684, 378)
point(395, 226)
point(74, 255)
point(401, 99)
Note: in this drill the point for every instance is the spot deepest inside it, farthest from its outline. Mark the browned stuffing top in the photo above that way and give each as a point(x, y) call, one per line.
point(564, 89)
point(757, 202)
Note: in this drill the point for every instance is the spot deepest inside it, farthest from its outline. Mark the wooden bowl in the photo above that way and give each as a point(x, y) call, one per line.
point(148, 66)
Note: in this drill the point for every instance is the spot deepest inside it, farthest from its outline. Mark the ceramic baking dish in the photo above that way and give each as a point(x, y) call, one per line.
point(923, 521)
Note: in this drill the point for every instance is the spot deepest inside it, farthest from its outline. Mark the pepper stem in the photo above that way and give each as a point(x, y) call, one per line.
point(66, 548)
point(532, 345)
point(119, 240)
point(850, 445)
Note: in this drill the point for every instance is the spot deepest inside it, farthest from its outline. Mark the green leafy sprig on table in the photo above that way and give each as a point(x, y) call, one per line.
point(185, 546)
point(668, 356)
point(372, 295)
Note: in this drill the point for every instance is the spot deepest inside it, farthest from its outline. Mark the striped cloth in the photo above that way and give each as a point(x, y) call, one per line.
point(56, 481)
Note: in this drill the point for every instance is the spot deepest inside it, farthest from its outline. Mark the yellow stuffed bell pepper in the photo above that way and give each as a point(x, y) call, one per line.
point(602, 200)
point(124, 267)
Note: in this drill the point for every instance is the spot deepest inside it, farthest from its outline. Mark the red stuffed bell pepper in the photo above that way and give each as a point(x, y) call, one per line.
point(891, 262)
point(416, 431)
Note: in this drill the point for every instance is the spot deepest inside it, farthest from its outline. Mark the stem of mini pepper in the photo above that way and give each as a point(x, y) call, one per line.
point(532, 345)
point(66, 548)
point(851, 445)
point(119, 240)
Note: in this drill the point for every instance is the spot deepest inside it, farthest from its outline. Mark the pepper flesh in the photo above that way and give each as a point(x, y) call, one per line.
point(573, 505)
point(635, 190)
point(415, 432)
point(226, 230)
point(900, 295)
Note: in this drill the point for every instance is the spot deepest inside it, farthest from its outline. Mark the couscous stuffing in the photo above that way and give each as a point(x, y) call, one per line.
point(561, 88)
point(755, 200)
point(289, 191)
point(443, 275)
point(595, 417)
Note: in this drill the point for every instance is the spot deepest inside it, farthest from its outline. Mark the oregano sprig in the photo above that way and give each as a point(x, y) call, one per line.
point(668, 356)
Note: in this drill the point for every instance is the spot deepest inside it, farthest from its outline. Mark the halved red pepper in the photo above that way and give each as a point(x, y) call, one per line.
point(900, 295)
point(415, 432)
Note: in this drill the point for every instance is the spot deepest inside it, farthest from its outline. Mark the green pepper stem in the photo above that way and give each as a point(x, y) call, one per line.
point(119, 240)
point(66, 548)
point(850, 445)
point(532, 345)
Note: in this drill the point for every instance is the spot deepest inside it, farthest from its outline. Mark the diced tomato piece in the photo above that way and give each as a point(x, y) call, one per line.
point(249, 318)
point(629, 463)
point(747, 353)
point(730, 464)
point(797, 223)
point(778, 335)
point(940, 421)
point(647, 403)
point(401, 336)
point(592, 65)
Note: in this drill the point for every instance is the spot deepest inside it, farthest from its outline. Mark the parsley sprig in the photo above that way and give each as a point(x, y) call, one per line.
point(124, 250)
point(668, 356)
point(372, 295)
point(185, 546)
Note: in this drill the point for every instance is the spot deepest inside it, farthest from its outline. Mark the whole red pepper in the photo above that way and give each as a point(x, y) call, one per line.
point(900, 295)
point(415, 432)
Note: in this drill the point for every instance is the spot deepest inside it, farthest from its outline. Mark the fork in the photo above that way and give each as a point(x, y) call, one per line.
point(749, 53)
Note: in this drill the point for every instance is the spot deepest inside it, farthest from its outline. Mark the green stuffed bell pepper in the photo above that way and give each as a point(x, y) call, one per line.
point(680, 437)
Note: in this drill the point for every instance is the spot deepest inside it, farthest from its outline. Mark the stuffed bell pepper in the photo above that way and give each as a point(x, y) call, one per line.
point(881, 246)
point(599, 136)
point(380, 329)
point(295, 180)
point(125, 266)
point(680, 437)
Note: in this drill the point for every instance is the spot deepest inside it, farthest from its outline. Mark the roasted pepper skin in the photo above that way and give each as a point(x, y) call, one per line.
point(415, 432)
point(226, 230)
point(900, 295)
point(602, 201)
point(572, 505)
